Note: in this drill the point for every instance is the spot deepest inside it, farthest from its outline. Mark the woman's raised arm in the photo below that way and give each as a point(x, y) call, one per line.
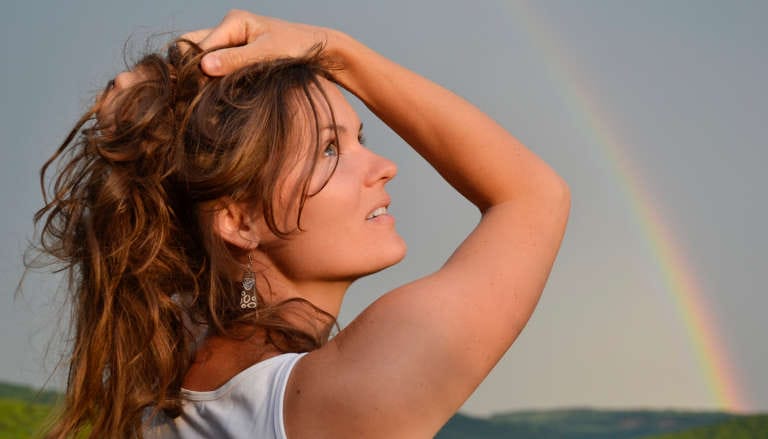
point(409, 361)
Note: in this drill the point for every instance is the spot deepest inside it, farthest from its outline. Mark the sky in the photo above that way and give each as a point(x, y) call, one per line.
point(653, 112)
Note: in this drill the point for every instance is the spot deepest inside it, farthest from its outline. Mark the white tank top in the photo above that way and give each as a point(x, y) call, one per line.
point(250, 405)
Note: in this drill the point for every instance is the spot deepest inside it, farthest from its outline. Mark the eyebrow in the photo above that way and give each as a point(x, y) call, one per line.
point(340, 128)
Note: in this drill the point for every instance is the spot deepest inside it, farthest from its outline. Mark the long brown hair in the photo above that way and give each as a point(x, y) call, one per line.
point(128, 210)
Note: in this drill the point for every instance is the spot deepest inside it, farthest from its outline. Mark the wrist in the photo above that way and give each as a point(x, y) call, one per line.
point(335, 44)
point(342, 53)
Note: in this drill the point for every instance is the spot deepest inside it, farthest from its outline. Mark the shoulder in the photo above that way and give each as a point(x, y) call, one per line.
point(250, 404)
point(343, 390)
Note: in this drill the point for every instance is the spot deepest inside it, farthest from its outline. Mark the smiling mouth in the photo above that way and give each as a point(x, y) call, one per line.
point(378, 212)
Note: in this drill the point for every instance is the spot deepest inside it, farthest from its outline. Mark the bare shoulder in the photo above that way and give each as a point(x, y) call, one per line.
point(368, 376)
point(409, 361)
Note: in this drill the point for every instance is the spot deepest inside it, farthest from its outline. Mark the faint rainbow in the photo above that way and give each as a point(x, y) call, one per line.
point(701, 327)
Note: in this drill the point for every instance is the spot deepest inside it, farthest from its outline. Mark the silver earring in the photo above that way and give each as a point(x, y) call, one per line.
point(248, 297)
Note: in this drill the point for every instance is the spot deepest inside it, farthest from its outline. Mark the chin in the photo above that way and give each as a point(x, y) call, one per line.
point(394, 257)
point(385, 259)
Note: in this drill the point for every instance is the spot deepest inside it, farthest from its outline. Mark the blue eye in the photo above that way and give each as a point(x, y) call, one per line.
point(331, 150)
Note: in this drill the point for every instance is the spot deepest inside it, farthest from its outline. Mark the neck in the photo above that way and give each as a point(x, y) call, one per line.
point(326, 295)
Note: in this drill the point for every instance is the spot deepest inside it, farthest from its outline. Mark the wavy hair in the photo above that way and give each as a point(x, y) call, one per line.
point(128, 202)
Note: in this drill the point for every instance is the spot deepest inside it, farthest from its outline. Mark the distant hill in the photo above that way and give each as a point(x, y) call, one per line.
point(23, 410)
point(740, 427)
point(26, 393)
point(578, 424)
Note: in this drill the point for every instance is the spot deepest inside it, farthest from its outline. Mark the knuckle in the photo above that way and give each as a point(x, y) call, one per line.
point(244, 18)
point(236, 13)
point(231, 58)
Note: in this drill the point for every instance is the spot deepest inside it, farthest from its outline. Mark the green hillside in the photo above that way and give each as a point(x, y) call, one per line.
point(21, 419)
point(578, 424)
point(741, 427)
point(26, 393)
point(24, 410)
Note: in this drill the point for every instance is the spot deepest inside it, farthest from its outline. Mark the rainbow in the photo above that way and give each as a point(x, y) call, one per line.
point(717, 370)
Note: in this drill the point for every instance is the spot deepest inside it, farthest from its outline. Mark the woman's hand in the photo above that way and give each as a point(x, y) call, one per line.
point(246, 38)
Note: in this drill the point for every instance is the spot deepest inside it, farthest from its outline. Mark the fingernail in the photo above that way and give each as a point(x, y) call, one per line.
point(211, 63)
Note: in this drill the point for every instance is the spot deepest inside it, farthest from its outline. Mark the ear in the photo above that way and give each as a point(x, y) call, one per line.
point(235, 226)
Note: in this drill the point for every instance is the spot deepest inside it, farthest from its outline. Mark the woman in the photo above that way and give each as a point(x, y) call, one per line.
point(230, 189)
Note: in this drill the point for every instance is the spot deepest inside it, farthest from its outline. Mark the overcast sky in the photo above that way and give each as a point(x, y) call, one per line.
point(680, 86)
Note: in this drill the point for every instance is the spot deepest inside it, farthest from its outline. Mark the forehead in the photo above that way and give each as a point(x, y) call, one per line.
point(330, 108)
point(317, 109)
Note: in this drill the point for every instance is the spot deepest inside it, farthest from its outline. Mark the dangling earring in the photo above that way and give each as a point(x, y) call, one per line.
point(248, 297)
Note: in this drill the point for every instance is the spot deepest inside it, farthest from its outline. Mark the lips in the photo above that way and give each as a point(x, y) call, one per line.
point(381, 209)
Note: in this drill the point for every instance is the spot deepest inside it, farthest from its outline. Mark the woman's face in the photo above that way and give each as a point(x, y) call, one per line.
point(346, 231)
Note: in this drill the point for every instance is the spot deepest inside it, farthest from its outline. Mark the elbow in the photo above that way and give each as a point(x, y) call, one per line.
point(563, 193)
point(553, 198)
point(561, 207)
point(547, 191)
point(554, 191)
point(561, 198)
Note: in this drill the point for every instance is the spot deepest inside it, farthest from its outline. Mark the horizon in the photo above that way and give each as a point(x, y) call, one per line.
point(693, 410)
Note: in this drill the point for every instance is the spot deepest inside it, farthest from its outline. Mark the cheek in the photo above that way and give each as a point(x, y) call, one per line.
point(287, 204)
point(323, 173)
point(337, 205)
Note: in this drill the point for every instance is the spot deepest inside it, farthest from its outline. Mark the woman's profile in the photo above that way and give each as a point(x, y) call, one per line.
point(216, 202)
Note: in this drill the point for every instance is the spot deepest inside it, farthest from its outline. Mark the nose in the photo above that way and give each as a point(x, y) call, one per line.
point(381, 169)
